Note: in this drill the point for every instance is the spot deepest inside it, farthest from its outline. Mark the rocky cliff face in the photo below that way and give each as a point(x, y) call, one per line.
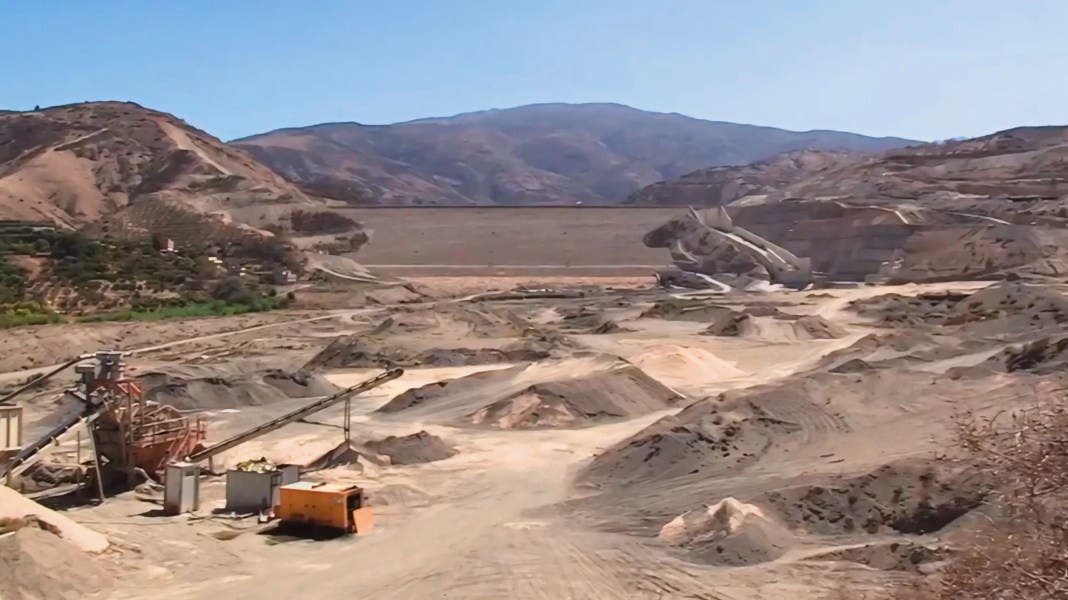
point(538, 154)
point(128, 170)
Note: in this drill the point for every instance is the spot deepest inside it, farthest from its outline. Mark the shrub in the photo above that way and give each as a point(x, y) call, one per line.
point(1023, 555)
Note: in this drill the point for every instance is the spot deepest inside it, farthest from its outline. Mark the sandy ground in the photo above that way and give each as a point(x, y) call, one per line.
point(513, 514)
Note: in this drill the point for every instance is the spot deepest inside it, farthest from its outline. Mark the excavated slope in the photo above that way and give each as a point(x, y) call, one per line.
point(127, 169)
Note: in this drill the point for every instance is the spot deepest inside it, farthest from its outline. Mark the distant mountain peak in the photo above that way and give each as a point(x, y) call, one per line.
point(547, 153)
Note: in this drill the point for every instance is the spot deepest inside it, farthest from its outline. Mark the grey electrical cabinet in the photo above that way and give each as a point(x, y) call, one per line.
point(181, 488)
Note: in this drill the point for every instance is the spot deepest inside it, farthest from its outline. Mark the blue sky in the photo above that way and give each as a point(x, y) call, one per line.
point(922, 69)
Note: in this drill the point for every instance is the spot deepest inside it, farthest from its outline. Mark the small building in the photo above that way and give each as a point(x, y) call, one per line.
point(181, 488)
point(283, 276)
point(10, 430)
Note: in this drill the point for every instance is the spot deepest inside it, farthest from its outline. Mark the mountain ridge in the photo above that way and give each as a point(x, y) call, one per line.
point(548, 153)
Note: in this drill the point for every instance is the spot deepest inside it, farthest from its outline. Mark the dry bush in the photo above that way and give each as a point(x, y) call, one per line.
point(1023, 554)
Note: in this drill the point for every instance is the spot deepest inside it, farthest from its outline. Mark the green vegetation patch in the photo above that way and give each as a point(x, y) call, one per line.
point(116, 274)
point(26, 313)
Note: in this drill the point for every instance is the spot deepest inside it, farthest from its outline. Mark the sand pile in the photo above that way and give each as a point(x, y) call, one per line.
point(730, 323)
point(357, 351)
point(360, 352)
point(676, 309)
point(622, 392)
point(14, 506)
point(209, 392)
point(907, 497)
point(192, 388)
point(458, 357)
point(873, 349)
point(416, 448)
point(36, 563)
point(739, 428)
point(756, 321)
point(570, 393)
point(812, 327)
point(580, 318)
point(728, 533)
point(438, 393)
point(489, 322)
point(544, 342)
point(345, 454)
point(300, 383)
point(590, 320)
point(609, 326)
point(685, 362)
point(708, 437)
point(852, 365)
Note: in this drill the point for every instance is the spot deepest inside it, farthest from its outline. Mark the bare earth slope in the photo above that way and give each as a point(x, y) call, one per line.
point(714, 186)
point(1015, 175)
point(536, 154)
point(137, 168)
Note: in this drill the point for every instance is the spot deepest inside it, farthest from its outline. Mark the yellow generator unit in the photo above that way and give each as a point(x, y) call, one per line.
point(331, 505)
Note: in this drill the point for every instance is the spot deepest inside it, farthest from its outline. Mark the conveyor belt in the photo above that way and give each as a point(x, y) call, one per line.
point(295, 415)
point(25, 456)
point(44, 378)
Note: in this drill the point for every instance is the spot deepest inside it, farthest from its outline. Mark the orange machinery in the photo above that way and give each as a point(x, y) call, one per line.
point(330, 505)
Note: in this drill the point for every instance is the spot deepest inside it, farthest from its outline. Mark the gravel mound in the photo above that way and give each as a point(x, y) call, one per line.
point(416, 448)
point(569, 393)
point(811, 327)
point(686, 310)
point(682, 362)
point(357, 351)
point(622, 392)
point(705, 435)
point(188, 389)
point(731, 323)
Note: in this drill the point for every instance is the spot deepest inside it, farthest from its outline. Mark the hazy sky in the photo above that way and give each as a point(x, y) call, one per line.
point(922, 69)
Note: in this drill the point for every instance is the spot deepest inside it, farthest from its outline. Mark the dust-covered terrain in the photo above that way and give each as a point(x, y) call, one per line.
point(750, 445)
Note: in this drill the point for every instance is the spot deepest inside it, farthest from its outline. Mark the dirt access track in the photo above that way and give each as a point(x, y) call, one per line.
point(568, 494)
